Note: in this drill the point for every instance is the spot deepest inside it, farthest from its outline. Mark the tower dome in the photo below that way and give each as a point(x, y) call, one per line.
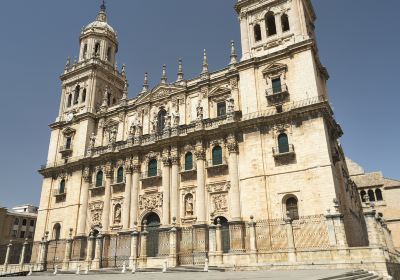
point(100, 22)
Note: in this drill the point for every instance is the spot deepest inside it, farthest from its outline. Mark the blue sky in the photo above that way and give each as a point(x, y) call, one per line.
point(357, 40)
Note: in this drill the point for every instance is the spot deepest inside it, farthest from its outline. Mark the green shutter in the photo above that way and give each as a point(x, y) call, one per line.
point(283, 143)
point(188, 161)
point(62, 187)
point(152, 168)
point(120, 175)
point(217, 156)
point(99, 179)
point(276, 85)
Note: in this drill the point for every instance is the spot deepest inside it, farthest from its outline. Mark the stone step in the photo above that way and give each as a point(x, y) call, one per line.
point(354, 275)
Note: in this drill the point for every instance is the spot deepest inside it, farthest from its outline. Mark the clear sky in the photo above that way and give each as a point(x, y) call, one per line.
point(358, 43)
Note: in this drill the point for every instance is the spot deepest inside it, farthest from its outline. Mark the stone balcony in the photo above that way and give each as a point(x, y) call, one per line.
point(148, 176)
point(277, 95)
point(60, 196)
point(118, 187)
point(97, 191)
point(283, 153)
point(66, 150)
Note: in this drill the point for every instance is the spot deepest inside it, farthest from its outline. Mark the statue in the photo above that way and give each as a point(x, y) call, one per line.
point(199, 109)
point(117, 214)
point(92, 141)
point(189, 205)
point(113, 135)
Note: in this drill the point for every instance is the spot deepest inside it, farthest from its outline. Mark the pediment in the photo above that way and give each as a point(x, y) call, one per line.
point(219, 91)
point(69, 131)
point(274, 68)
point(111, 123)
point(161, 91)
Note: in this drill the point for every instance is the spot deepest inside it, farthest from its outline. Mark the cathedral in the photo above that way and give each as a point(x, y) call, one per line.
point(240, 167)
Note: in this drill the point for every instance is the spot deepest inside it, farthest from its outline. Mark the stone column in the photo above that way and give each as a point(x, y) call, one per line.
point(173, 242)
point(22, 256)
point(143, 245)
point(201, 184)
point(175, 183)
point(253, 240)
point(68, 251)
point(84, 202)
point(134, 248)
point(127, 194)
point(290, 240)
point(7, 258)
point(43, 251)
point(218, 243)
point(245, 36)
point(135, 190)
point(107, 199)
point(91, 245)
point(166, 188)
point(234, 192)
point(96, 263)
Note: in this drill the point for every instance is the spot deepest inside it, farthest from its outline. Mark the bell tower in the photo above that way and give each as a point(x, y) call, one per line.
point(269, 26)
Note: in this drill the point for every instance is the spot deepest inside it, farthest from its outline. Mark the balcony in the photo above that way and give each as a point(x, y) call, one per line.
point(66, 150)
point(118, 187)
point(215, 167)
point(277, 95)
point(188, 173)
point(283, 152)
point(60, 195)
point(152, 175)
point(97, 191)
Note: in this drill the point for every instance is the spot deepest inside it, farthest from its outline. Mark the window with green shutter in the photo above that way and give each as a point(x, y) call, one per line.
point(62, 187)
point(120, 175)
point(152, 168)
point(217, 155)
point(188, 161)
point(99, 179)
point(283, 143)
point(276, 85)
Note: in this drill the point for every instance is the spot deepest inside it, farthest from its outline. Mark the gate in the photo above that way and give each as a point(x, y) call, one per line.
point(55, 253)
point(116, 251)
point(188, 255)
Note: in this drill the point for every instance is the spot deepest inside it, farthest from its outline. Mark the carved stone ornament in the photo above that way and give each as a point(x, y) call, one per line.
point(108, 170)
point(151, 155)
point(86, 174)
point(96, 212)
point(128, 166)
point(218, 187)
point(231, 143)
point(199, 152)
point(150, 202)
point(219, 203)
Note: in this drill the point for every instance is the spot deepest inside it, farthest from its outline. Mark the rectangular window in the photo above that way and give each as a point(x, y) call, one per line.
point(276, 85)
point(14, 233)
point(68, 143)
point(221, 109)
point(22, 234)
point(32, 223)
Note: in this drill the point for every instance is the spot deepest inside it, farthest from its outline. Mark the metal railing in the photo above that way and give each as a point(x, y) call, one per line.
point(279, 151)
point(58, 192)
point(277, 90)
point(151, 174)
point(216, 163)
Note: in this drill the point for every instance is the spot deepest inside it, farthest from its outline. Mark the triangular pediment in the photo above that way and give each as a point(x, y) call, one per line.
point(69, 131)
point(110, 123)
point(161, 91)
point(274, 68)
point(219, 91)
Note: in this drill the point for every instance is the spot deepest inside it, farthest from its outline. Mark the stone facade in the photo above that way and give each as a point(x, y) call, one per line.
point(177, 172)
point(381, 193)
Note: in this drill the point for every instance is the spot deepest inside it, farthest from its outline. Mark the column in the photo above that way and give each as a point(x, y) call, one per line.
point(91, 245)
point(7, 259)
point(253, 240)
point(201, 183)
point(43, 251)
point(84, 202)
point(22, 256)
point(68, 251)
point(135, 190)
point(107, 199)
point(218, 239)
point(97, 252)
point(173, 242)
point(166, 188)
point(175, 183)
point(234, 192)
point(127, 194)
point(290, 240)
point(143, 245)
point(134, 248)
point(245, 36)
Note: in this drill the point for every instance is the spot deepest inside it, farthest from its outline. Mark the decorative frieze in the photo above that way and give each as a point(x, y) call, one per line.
point(150, 202)
point(96, 212)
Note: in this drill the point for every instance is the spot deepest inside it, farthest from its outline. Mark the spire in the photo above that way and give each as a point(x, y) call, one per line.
point(233, 62)
point(124, 99)
point(164, 74)
point(180, 71)
point(102, 13)
point(204, 73)
point(145, 83)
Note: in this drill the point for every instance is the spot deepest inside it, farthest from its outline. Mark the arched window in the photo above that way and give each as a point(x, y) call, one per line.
point(62, 187)
point(152, 168)
point(371, 195)
point(57, 231)
point(84, 51)
point(69, 100)
point(109, 54)
point(161, 120)
point(76, 94)
point(362, 194)
point(84, 95)
point(189, 161)
point(270, 23)
point(257, 33)
point(217, 155)
point(378, 194)
point(99, 179)
point(97, 49)
point(285, 23)
point(24, 222)
point(16, 222)
point(109, 99)
point(283, 143)
point(68, 143)
point(120, 175)
point(292, 209)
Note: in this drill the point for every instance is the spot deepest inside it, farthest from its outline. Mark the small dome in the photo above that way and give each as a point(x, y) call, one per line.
point(101, 21)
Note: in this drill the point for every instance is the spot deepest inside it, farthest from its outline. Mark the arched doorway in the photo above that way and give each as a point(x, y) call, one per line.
point(152, 220)
point(226, 241)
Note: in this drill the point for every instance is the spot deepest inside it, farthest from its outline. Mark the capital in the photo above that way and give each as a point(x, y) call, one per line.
point(231, 143)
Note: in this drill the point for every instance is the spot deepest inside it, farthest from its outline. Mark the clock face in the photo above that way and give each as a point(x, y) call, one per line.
point(69, 117)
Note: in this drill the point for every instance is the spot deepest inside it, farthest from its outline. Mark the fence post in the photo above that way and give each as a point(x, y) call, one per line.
point(218, 237)
point(173, 244)
point(134, 247)
point(253, 240)
point(143, 245)
point(212, 246)
point(7, 259)
point(68, 251)
point(290, 239)
point(96, 264)
point(43, 252)
point(22, 257)
point(91, 245)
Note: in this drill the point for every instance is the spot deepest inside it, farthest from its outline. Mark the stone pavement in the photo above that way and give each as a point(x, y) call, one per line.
point(231, 275)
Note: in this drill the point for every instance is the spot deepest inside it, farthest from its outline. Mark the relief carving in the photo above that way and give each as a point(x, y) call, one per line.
point(96, 212)
point(150, 202)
